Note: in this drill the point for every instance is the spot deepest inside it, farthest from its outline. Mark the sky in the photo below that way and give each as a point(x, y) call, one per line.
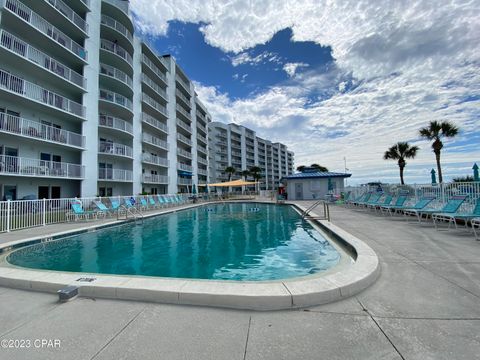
point(333, 80)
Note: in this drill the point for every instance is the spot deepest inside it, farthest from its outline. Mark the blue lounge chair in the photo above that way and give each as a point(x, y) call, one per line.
point(361, 199)
point(373, 199)
point(115, 205)
point(78, 212)
point(161, 201)
point(102, 209)
point(153, 203)
point(143, 204)
point(386, 201)
point(451, 207)
point(399, 204)
point(421, 204)
point(453, 217)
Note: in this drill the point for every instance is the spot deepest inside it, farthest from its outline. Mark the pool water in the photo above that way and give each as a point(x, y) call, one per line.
point(232, 241)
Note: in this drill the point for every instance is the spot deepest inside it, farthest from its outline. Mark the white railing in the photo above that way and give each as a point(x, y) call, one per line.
point(202, 161)
point(154, 86)
point(71, 15)
point(39, 58)
point(115, 175)
point(155, 69)
point(183, 97)
point(202, 172)
point(201, 127)
point(202, 148)
point(115, 123)
point(153, 159)
point(118, 99)
point(121, 4)
point(184, 112)
point(184, 167)
point(202, 138)
point(183, 83)
point(154, 104)
point(32, 91)
point(14, 165)
point(184, 139)
point(35, 130)
point(184, 125)
point(184, 181)
point(184, 153)
point(201, 116)
point(153, 140)
point(86, 2)
point(154, 179)
point(116, 49)
point(42, 25)
point(106, 147)
point(154, 122)
point(114, 24)
point(115, 73)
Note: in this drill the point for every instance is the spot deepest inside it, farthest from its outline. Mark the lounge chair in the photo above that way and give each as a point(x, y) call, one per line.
point(475, 227)
point(450, 207)
point(115, 205)
point(102, 208)
point(421, 204)
point(372, 200)
point(398, 204)
point(387, 200)
point(77, 212)
point(361, 199)
point(153, 203)
point(161, 201)
point(452, 217)
point(143, 204)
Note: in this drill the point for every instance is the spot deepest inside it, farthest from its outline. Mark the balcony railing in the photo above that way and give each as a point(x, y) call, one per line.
point(153, 159)
point(184, 139)
point(14, 165)
point(71, 15)
point(154, 86)
point(154, 122)
point(34, 55)
point(184, 112)
point(35, 130)
point(42, 25)
point(115, 175)
point(184, 167)
point(121, 4)
point(116, 49)
point(202, 138)
point(118, 99)
point(201, 127)
point(202, 148)
point(153, 140)
point(34, 92)
point(236, 153)
point(202, 161)
point(154, 68)
point(155, 104)
point(154, 179)
point(184, 153)
point(184, 181)
point(202, 172)
point(201, 116)
point(183, 97)
point(106, 147)
point(115, 73)
point(184, 125)
point(115, 123)
point(114, 24)
point(183, 83)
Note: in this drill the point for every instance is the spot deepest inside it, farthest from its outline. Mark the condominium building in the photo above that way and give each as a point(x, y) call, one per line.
point(87, 108)
point(232, 145)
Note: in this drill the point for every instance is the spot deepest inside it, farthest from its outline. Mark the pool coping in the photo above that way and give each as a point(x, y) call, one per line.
point(292, 293)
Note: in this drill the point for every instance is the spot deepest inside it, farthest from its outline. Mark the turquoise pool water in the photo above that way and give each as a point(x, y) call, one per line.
point(233, 241)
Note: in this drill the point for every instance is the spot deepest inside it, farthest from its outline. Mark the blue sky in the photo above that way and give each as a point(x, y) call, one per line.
point(332, 80)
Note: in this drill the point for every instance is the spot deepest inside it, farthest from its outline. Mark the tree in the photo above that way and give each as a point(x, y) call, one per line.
point(319, 167)
point(436, 131)
point(230, 170)
point(467, 178)
point(245, 174)
point(301, 168)
point(256, 173)
point(401, 151)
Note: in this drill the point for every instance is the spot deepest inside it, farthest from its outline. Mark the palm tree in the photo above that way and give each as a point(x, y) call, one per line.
point(301, 168)
point(245, 174)
point(319, 167)
point(436, 131)
point(256, 173)
point(230, 170)
point(401, 151)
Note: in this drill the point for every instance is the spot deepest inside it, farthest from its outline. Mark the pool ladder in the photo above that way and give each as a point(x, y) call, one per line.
point(133, 211)
point(326, 211)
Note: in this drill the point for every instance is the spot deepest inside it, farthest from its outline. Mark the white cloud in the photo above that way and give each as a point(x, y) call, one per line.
point(262, 58)
point(291, 68)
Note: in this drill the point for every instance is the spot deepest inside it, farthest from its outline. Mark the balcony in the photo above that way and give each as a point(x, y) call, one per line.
point(201, 117)
point(184, 153)
point(31, 91)
point(235, 146)
point(154, 179)
point(184, 167)
point(116, 50)
point(184, 112)
point(37, 131)
point(155, 87)
point(119, 175)
point(156, 160)
point(111, 148)
point(110, 96)
point(184, 84)
point(202, 138)
point(120, 4)
point(202, 172)
point(116, 74)
point(153, 140)
point(112, 122)
point(184, 125)
point(236, 153)
point(184, 139)
point(154, 68)
point(202, 161)
point(184, 181)
point(36, 21)
point(154, 104)
point(19, 166)
point(150, 120)
point(201, 127)
point(114, 24)
point(185, 100)
point(69, 14)
point(37, 57)
point(202, 149)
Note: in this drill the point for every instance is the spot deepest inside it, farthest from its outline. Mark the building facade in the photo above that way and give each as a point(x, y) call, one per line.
point(232, 145)
point(87, 108)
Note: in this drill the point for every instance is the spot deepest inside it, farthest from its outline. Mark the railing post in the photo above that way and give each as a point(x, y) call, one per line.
point(44, 206)
point(8, 215)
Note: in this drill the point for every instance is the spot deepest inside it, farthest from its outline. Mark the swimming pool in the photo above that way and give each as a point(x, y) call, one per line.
point(231, 241)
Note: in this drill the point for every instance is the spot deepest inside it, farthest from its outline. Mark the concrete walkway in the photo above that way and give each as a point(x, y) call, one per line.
point(425, 305)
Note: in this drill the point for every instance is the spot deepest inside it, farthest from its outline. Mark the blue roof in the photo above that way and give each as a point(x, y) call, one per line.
point(316, 175)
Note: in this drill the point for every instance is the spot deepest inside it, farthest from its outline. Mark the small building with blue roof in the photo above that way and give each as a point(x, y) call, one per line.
point(312, 184)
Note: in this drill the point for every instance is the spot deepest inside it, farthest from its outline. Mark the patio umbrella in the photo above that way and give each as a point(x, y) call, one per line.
point(194, 189)
point(206, 189)
point(330, 184)
point(475, 172)
point(434, 178)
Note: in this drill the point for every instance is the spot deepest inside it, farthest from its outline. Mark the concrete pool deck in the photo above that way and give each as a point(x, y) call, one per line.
point(424, 305)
